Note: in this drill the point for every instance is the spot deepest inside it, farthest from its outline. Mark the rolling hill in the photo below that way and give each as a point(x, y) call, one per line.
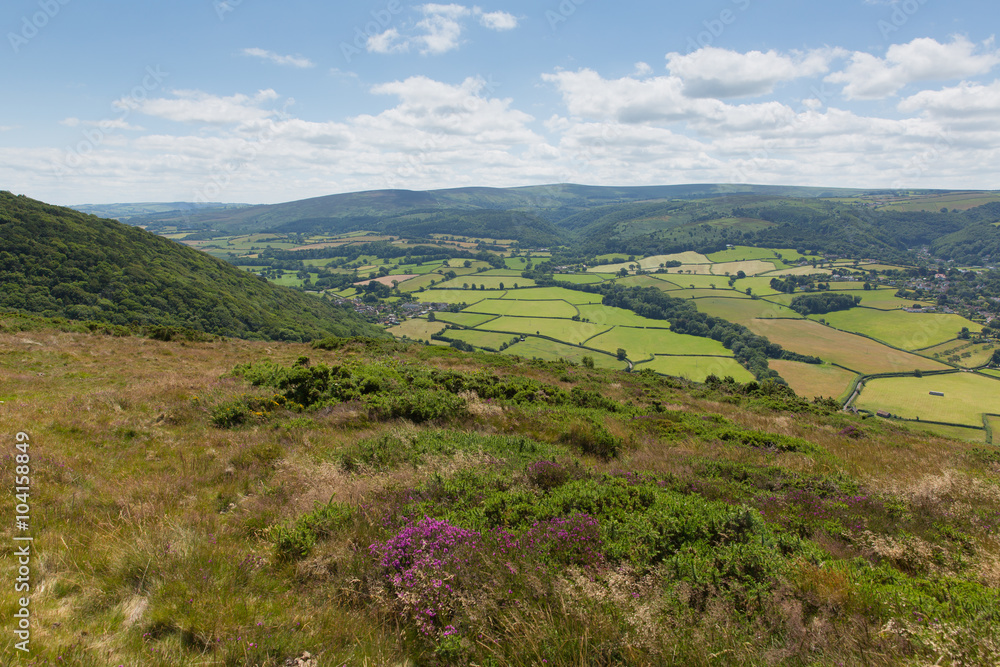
point(61, 263)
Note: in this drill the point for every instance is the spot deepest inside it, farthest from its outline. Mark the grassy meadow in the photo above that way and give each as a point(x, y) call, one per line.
point(244, 503)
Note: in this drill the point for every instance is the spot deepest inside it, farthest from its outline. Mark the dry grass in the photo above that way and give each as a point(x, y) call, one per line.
point(148, 521)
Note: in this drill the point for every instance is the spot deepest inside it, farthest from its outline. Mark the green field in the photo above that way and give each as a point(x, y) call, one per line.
point(854, 352)
point(881, 299)
point(759, 286)
point(559, 309)
point(962, 352)
point(799, 271)
point(742, 311)
point(697, 369)
point(482, 338)
point(992, 372)
point(579, 278)
point(751, 267)
point(722, 292)
point(562, 330)
point(553, 294)
point(642, 344)
point(454, 296)
point(510, 273)
point(645, 281)
point(652, 263)
point(966, 397)
point(417, 329)
point(425, 281)
point(811, 380)
point(490, 282)
point(741, 253)
point(686, 280)
point(908, 331)
point(539, 348)
point(464, 319)
point(953, 432)
point(607, 315)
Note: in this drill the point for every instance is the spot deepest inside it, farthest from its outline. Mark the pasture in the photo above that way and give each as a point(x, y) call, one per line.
point(425, 281)
point(742, 311)
point(741, 253)
point(962, 352)
point(553, 294)
point(562, 330)
point(464, 319)
point(607, 315)
point(540, 348)
point(880, 299)
point(966, 397)
point(559, 309)
point(417, 329)
point(454, 296)
point(641, 344)
point(697, 369)
point(482, 339)
point(854, 352)
point(811, 380)
point(720, 292)
point(751, 267)
point(908, 331)
point(481, 280)
point(580, 278)
point(652, 263)
point(758, 286)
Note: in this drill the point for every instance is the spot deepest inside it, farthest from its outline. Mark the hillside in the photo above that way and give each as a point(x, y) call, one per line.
point(371, 502)
point(59, 262)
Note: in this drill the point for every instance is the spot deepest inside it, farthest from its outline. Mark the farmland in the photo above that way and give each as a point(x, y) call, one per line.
point(966, 397)
point(500, 306)
point(908, 331)
point(698, 368)
point(844, 349)
point(812, 380)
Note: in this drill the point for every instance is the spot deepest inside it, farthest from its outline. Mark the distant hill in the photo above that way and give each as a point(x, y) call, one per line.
point(385, 210)
point(643, 220)
point(126, 211)
point(58, 262)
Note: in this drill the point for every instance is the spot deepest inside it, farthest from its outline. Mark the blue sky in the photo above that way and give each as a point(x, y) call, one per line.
point(260, 102)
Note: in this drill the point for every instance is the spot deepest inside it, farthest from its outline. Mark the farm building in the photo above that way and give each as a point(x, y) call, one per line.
point(937, 393)
point(883, 413)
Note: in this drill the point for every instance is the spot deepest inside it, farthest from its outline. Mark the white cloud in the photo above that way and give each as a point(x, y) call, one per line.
point(721, 73)
point(967, 100)
point(193, 106)
point(277, 59)
point(628, 100)
point(107, 124)
point(439, 31)
point(442, 29)
point(497, 20)
point(642, 69)
point(387, 42)
point(923, 59)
